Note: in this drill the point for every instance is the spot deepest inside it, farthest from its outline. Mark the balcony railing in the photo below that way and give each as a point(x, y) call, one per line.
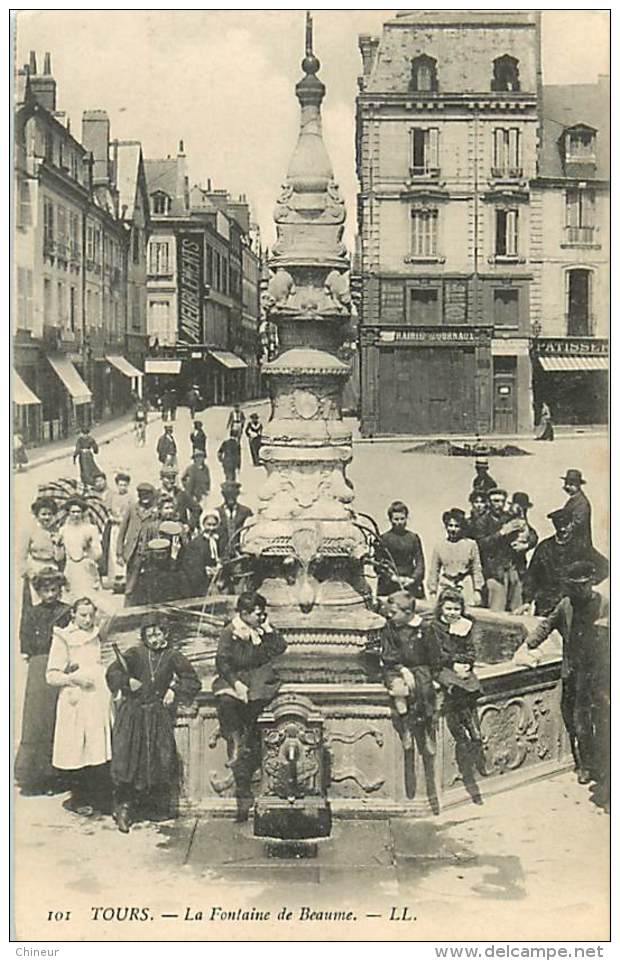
point(424, 171)
point(580, 236)
point(506, 173)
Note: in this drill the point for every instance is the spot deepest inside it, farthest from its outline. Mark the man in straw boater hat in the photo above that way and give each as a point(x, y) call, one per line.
point(33, 766)
point(544, 580)
point(578, 506)
point(585, 696)
point(151, 679)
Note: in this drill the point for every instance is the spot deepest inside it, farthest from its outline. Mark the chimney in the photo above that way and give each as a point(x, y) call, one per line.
point(181, 148)
point(96, 139)
point(43, 86)
point(182, 180)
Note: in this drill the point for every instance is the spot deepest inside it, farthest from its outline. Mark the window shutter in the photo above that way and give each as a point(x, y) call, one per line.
point(498, 148)
point(587, 209)
point(572, 208)
point(514, 161)
point(512, 240)
point(432, 157)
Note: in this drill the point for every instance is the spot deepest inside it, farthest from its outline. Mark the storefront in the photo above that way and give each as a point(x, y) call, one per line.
point(162, 373)
point(571, 375)
point(26, 411)
point(67, 405)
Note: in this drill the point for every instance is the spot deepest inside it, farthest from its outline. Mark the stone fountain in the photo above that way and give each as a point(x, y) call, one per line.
point(329, 739)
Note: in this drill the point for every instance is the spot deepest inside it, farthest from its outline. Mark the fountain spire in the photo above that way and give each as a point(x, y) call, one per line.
point(306, 544)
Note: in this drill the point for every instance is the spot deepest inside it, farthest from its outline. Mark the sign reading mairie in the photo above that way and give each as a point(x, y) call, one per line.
point(190, 282)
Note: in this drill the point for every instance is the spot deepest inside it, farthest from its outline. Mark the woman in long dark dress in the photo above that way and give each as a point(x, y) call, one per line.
point(85, 449)
point(152, 678)
point(33, 765)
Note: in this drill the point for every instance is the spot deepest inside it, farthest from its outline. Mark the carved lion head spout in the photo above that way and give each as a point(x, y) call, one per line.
point(306, 587)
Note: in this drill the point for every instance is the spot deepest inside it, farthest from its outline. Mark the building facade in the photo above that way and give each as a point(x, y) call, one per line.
point(456, 268)
point(74, 358)
point(202, 263)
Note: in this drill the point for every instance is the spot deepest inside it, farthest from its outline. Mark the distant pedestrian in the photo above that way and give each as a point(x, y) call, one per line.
point(196, 478)
point(198, 438)
point(578, 507)
point(20, 455)
point(189, 509)
point(194, 400)
point(84, 454)
point(169, 404)
point(229, 456)
point(235, 422)
point(167, 447)
point(152, 679)
point(402, 555)
point(482, 480)
point(254, 434)
point(545, 425)
point(82, 735)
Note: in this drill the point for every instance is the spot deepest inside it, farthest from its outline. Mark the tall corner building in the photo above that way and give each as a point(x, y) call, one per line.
point(449, 142)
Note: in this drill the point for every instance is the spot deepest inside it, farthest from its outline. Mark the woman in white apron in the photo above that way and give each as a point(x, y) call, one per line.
point(82, 736)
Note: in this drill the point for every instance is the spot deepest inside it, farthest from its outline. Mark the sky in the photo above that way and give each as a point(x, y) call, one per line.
point(223, 82)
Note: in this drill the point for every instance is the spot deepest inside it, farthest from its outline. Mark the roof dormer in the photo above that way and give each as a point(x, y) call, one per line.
point(578, 145)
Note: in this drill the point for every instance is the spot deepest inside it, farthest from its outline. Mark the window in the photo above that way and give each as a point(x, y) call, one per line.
point(48, 226)
point(90, 242)
point(160, 202)
point(506, 307)
point(216, 276)
point(579, 321)
point(159, 258)
point(61, 232)
point(24, 204)
point(74, 165)
point(135, 308)
point(136, 245)
point(48, 147)
point(159, 322)
point(61, 154)
point(506, 233)
point(74, 236)
point(507, 152)
point(580, 145)
point(424, 306)
point(424, 151)
point(47, 302)
point(209, 277)
point(97, 245)
point(580, 216)
point(423, 234)
point(72, 307)
point(506, 75)
point(423, 75)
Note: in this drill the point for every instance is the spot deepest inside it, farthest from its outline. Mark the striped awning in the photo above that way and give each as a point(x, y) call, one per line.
point(574, 363)
point(22, 395)
point(229, 360)
point(79, 391)
point(162, 366)
point(123, 365)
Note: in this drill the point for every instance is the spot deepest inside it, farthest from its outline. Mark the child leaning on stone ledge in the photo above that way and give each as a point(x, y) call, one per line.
point(409, 658)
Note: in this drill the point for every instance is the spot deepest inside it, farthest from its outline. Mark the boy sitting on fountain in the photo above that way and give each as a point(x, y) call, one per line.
point(409, 661)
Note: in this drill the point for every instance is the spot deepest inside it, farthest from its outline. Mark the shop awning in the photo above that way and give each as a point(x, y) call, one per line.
point(22, 395)
point(153, 366)
point(574, 363)
point(79, 391)
point(123, 366)
point(229, 360)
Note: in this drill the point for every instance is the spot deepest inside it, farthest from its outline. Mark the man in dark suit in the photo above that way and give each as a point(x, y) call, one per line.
point(139, 525)
point(200, 557)
point(578, 507)
point(232, 518)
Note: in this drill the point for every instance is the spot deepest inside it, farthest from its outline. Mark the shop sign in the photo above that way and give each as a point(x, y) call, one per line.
point(438, 335)
point(572, 347)
point(190, 286)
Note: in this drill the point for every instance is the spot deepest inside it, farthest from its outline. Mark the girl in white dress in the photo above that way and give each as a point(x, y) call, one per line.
point(82, 545)
point(82, 736)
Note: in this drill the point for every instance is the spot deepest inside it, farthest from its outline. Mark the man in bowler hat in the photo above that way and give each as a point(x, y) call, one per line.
point(578, 506)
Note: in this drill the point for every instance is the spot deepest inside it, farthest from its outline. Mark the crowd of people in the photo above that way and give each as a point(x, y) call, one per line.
point(110, 733)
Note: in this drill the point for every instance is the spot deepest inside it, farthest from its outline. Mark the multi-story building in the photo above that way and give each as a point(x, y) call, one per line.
point(570, 254)
point(197, 276)
point(482, 217)
point(447, 117)
point(71, 347)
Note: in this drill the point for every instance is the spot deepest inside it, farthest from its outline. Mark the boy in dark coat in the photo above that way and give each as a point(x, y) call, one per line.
point(33, 766)
point(152, 679)
point(198, 438)
point(229, 456)
point(409, 662)
point(246, 682)
point(167, 447)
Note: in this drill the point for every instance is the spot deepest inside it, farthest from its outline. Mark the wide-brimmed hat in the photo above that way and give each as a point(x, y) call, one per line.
point(47, 576)
point(560, 518)
point(522, 499)
point(574, 476)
